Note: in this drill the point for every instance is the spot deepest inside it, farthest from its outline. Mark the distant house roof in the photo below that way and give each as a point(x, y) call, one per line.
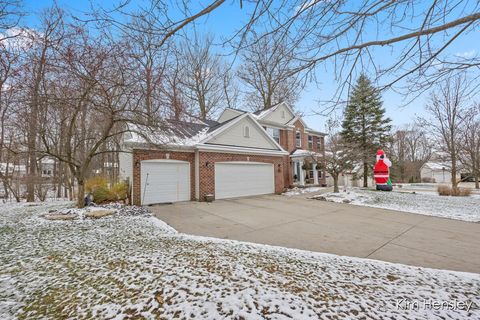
point(437, 166)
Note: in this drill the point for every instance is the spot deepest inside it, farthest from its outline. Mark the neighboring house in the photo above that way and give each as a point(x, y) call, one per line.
point(47, 167)
point(13, 170)
point(352, 178)
point(437, 172)
point(241, 154)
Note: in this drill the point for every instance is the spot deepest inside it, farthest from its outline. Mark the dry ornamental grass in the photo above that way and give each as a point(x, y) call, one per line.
point(445, 190)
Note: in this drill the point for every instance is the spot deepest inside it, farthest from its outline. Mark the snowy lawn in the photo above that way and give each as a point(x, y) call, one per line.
point(134, 266)
point(461, 208)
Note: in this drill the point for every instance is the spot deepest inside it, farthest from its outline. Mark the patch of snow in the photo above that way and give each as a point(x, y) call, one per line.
point(460, 208)
point(167, 138)
point(162, 225)
point(302, 152)
point(127, 267)
point(297, 191)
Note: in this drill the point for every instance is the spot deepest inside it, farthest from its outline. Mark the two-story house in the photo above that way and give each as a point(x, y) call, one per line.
point(241, 154)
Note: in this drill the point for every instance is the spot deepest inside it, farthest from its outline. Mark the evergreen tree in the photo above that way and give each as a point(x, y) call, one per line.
point(365, 128)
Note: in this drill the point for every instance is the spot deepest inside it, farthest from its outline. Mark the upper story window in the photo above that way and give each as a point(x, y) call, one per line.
point(310, 142)
point(283, 114)
point(319, 143)
point(274, 133)
point(246, 132)
point(298, 139)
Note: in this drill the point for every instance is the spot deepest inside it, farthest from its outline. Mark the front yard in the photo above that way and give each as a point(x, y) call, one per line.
point(132, 265)
point(427, 203)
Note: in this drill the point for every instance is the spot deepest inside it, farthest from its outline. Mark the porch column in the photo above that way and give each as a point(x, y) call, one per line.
point(301, 174)
point(315, 173)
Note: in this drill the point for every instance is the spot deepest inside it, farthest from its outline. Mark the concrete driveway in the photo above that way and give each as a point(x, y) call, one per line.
point(343, 229)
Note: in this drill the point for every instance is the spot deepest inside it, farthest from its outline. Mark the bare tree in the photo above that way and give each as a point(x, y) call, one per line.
point(10, 15)
point(43, 42)
point(202, 77)
point(448, 113)
point(410, 149)
point(173, 96)
point(267, 71)
point(148, 65)
point(337, 158)
point(348, 36)
point(345, 35)
point(470, 146)
point(231, 90)
point(92, 84)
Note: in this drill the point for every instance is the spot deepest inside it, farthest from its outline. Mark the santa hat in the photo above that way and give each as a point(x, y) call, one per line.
point(380, 152)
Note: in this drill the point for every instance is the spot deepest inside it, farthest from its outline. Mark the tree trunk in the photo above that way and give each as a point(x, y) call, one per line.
point(80, 193)
point(32, 165)
point(477, 184)
point(454, 172)
point(365, 175)
point(335, 183)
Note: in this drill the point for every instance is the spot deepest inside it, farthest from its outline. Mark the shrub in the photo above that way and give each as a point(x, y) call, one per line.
point(444, 190)
point(119, 190)
point(461, 192)
point(95, 182)
point(101, 192)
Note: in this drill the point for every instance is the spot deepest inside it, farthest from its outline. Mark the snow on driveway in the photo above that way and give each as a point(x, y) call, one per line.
point(460, 208)
point(127, 266)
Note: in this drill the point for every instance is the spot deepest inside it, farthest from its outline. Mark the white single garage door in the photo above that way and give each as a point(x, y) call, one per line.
point(164, 181)
point(240, 179)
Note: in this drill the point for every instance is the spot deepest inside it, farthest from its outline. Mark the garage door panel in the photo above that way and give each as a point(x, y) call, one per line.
point(165, 181)
point(243, 179)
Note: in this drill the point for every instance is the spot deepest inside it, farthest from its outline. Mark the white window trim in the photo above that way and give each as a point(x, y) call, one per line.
point(298, 142)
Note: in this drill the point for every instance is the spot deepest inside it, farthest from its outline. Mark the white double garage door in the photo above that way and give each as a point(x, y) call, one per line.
point(164, 181)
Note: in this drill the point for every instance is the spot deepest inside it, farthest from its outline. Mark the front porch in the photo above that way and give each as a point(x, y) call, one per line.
point(305, 169)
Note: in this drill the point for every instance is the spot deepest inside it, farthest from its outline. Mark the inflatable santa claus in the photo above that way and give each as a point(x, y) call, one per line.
point(381, 172)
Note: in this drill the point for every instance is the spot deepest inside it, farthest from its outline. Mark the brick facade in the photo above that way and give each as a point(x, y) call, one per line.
point(282, 164)
point(207, 171)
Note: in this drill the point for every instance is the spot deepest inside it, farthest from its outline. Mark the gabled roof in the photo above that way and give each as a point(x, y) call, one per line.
point(183, 134)
point(264, 112)
point(235, 111)
point(215, 131)
point(261, 114)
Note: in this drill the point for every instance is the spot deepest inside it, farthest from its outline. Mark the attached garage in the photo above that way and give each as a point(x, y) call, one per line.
point(164, 181)
point(240, 179)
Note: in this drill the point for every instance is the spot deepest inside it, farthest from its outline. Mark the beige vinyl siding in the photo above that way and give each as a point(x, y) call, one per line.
point(276, 116)
point(126, 164)
point(228, 114)
point(234, 136)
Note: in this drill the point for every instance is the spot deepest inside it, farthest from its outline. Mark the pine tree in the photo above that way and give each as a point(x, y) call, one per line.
point(365, 128)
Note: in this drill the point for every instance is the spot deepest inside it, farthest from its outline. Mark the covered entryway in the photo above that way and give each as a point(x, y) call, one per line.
point(241, 179)
point(164, 181)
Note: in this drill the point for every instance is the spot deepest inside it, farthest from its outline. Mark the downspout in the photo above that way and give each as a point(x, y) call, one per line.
point(197, 175)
